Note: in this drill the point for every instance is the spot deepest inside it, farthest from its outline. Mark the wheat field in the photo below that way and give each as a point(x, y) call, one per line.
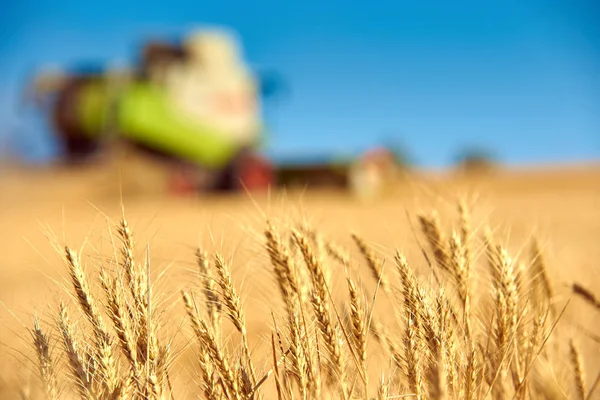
point(446, 288)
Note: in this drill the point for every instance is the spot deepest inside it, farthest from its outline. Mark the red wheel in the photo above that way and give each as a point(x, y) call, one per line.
point(255, 173)
point(249, 171)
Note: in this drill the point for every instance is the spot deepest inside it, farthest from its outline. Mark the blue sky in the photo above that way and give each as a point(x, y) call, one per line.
point(521, 78)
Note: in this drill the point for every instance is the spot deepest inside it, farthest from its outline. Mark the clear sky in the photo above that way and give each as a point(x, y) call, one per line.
point(518, 77)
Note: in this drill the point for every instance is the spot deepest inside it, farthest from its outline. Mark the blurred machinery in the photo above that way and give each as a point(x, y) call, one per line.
point(196, 105)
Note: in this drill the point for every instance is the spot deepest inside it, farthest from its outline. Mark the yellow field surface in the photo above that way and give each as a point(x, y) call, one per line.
point(37, 210)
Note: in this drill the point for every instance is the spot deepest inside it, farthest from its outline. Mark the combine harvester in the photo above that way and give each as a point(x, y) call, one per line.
point(196, 105)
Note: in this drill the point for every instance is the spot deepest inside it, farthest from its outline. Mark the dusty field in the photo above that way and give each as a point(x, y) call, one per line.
point(562, 206)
